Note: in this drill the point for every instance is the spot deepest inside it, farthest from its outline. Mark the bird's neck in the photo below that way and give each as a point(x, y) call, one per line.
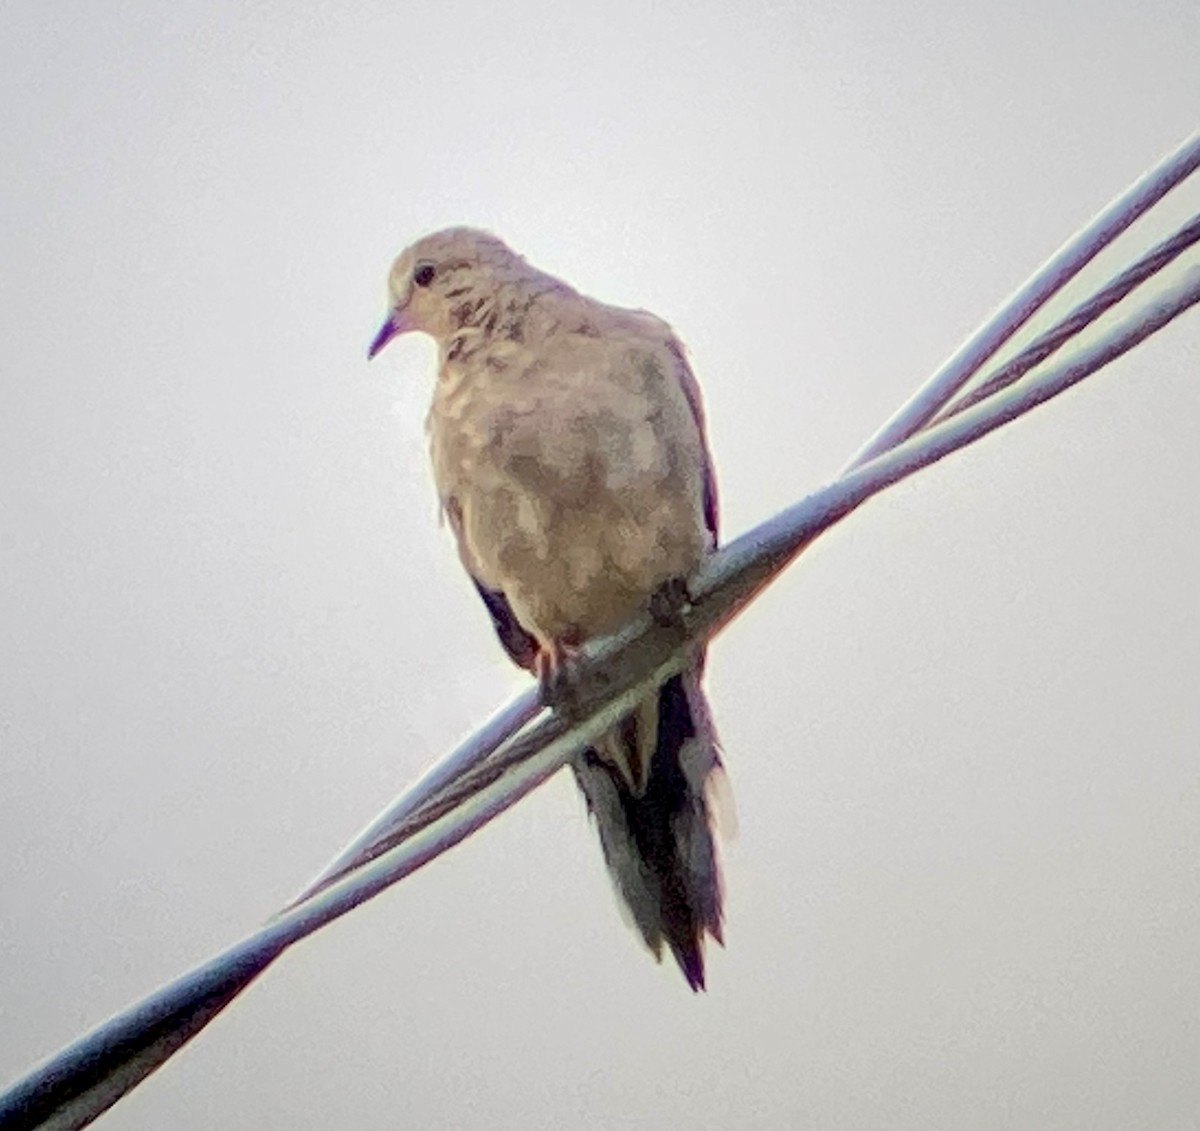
point(509, 310)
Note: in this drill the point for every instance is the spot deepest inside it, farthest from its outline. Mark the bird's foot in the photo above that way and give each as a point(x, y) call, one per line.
point(554, 665)
point(669, 603)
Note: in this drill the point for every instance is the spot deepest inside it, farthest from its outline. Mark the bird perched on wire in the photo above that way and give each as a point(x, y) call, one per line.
point(569, 453)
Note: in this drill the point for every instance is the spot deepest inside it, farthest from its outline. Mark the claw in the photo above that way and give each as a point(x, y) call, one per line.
point(554, 667)
point(668, 603)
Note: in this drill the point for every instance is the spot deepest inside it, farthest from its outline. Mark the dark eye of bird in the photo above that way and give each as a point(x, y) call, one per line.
point(423, 275)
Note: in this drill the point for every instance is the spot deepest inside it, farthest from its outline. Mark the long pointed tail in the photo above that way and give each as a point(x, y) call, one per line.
point(659, 844)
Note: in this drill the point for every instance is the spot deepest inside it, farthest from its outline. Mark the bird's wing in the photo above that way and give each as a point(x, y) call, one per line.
point(691, 390)
point(519, 644)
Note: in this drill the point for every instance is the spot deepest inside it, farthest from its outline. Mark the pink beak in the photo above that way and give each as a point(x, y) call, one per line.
point(395, 325)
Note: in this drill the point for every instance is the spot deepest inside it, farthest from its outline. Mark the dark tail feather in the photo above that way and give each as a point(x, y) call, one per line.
point(659, 846)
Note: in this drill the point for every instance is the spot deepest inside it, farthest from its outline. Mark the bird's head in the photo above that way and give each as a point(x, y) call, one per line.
point(441, 281)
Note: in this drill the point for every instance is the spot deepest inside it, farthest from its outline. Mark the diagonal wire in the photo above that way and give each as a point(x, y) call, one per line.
point(1081, 317)
point(79, 1083)
point(1054, 274)
point(380, 834)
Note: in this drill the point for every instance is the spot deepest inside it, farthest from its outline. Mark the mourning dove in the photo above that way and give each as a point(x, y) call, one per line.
point(568, 449)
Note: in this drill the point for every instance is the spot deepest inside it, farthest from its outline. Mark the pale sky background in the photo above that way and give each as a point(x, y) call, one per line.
point(963, 732)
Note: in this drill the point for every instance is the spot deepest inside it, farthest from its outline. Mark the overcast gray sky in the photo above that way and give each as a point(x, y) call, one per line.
point(962, 732)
